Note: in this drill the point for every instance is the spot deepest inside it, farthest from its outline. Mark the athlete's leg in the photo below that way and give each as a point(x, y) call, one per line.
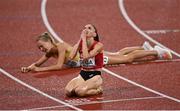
point(123, 51)
point(90, 87)
point(146, 46)
point(137, 54)
point(70, 87)
point(118, 59)
point(127, 50)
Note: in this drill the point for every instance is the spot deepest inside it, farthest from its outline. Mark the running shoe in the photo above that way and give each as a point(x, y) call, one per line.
point(147, 46)
point(163, 53)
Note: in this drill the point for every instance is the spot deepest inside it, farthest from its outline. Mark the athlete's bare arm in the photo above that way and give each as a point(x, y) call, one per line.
point(92, 53)
point(42, 60)
point(58, 65)
point(74, 50)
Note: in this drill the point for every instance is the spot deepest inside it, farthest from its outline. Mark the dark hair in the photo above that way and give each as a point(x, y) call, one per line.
point(97, 36)
point(46, 37)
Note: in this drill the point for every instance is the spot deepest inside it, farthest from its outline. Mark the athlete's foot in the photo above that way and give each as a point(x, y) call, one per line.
point(100, 90)
point(147, 46)
point(163, 53)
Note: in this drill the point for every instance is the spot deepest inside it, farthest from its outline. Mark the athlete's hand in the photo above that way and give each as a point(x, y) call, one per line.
point(34, 68)
point(84, 33)
point(28, 69)
point(25, 69)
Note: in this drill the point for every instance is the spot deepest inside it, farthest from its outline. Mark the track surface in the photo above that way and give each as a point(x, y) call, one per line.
point(22, 22)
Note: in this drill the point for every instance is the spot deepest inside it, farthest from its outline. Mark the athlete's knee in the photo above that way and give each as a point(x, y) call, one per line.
point(80, 91)
point(67, 91)
point(124, 49)
point(67, 88)
point(129, 58)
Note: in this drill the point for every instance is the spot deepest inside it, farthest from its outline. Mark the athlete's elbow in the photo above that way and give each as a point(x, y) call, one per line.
point(58, 67)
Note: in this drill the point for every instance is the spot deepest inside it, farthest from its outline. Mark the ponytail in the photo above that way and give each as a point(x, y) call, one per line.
point(97, 37)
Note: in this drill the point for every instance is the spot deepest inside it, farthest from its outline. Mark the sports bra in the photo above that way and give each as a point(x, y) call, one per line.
point(54, 51)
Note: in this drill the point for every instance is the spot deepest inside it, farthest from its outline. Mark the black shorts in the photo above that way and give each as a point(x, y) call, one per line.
point(89, 74)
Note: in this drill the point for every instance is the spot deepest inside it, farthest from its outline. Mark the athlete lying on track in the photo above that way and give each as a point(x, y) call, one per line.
point(62, 51)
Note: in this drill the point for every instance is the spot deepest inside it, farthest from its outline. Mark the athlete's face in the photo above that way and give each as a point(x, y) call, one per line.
point(90, 30)
point(44, 46)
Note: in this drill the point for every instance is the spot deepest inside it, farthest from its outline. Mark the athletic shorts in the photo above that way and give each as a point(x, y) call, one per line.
point(89, 74)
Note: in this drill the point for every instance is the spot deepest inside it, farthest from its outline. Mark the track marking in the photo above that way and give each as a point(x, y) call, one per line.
point(46, 22)
point(97, 102)
point(36, 90)
point(43, 10)
point(132, 24)
point(161, 31)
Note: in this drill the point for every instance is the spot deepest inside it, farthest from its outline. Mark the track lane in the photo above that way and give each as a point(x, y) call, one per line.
point(41, 81)
point(156, 14)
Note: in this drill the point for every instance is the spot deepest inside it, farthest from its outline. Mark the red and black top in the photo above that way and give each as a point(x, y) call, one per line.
point(95, 62)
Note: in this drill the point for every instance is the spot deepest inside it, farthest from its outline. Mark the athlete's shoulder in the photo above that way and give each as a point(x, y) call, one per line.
point(58, 44)
point(99, 44)
point(61, 46)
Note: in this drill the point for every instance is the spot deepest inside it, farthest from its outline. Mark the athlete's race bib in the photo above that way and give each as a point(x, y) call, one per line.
point(88, 63)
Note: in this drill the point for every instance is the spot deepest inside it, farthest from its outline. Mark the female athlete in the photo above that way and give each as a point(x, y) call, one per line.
point(62, 52)
point(89, 81)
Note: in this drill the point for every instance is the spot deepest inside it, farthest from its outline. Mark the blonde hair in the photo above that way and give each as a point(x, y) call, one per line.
point(46, 37)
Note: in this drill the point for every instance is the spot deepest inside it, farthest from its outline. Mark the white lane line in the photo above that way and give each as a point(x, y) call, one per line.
point(36, 90)
point(111, 73)
point(46, 22)
point(125, 15)
point(99, 102)
point(161, 31)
